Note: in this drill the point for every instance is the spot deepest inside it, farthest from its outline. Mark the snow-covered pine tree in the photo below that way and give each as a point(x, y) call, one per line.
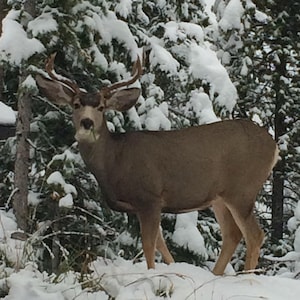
point(269, 93)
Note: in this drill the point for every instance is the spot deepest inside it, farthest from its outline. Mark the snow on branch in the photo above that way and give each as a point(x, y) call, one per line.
point(15, 45)
point(205, 65)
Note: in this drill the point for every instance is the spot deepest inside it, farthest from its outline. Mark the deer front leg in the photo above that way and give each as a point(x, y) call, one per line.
point(149, 226)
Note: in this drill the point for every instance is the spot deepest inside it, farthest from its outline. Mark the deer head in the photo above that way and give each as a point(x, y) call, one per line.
point(89, 108)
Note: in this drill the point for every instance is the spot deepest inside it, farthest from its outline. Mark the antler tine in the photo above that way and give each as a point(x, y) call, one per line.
point(137, 71)
point(67, 82)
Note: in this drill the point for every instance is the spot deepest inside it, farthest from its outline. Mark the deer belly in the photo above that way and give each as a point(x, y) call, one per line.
point(185, 201)
point(121, 206)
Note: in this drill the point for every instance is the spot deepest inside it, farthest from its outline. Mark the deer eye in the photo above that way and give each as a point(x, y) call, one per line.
point(76, 105)
point(100, 108)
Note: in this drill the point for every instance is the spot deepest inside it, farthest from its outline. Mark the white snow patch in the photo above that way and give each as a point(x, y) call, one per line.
point(66, 201)
point(134, 118)
point(98, 58)
point(202, 107)
point(29, 83)
point(187, 235)
point(161, 58)
point(261, 17)
point(11, 249)
point(56, 178)
point(123, 280)
point(112, 28)
point(7, 115)
point(156, 120)
point(232, 16)
point(124, 8)
point(297, 211)
point(43, 24)
point(297, 240)
point(205, 65)
point(175, 31)
point(15, 45)
point(34, 198)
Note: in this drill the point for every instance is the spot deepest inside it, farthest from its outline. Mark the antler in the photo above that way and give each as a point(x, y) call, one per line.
point(51, 72)
point(137, 72)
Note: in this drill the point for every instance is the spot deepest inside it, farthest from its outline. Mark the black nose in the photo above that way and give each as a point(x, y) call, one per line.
point(86, 123)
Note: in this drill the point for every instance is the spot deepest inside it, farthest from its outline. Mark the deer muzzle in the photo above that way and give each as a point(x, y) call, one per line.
point(87, 123)
point(86, 132)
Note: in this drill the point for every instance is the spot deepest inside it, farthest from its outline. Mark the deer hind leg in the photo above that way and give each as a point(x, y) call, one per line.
point(231, 235)
point(251, 231)
point(163, 249)
point(149, 227)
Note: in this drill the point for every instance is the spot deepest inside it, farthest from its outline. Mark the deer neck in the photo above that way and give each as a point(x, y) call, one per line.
point(100, 158)
point(93, 153)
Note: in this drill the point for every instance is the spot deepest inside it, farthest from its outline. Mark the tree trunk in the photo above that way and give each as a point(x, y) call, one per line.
point(277, 201)
point(20, 199)
point(279, 169)
point(22, 159)
point(3, 11)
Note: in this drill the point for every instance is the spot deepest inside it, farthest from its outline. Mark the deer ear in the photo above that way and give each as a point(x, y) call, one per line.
point(122, 100)
point(55, 91)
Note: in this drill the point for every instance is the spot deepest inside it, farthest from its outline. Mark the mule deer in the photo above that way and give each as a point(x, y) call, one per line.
point(222, 165)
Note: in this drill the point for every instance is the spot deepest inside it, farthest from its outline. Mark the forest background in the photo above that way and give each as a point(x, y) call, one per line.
point(205, 60)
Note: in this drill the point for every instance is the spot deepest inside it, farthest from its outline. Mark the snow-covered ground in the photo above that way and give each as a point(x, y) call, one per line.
point(123, 280)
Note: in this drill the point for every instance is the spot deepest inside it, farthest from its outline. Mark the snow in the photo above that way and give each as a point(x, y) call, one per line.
point(124, 8)
point(7, 115)
point(56, 178)
point(66, 201)
point(15, 46)
point(68, 156)
point(43, 24)
point(187, 235)
point(141, 15)
point(29, 83)
point(98, 58)
point(123, 280)
point(261, 17)
point(232, 16)
point(297, 211)
point(34, 198)
point(159, 56)
point(112, 28)
point(13, 249)
point(156, 120)
point(297, 240)
point(294, 226)
point(175, 31)
point(204, 64)
point(201, 106)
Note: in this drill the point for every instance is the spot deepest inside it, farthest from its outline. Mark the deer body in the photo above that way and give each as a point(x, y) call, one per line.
point(178, 175)
point(222, 165)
